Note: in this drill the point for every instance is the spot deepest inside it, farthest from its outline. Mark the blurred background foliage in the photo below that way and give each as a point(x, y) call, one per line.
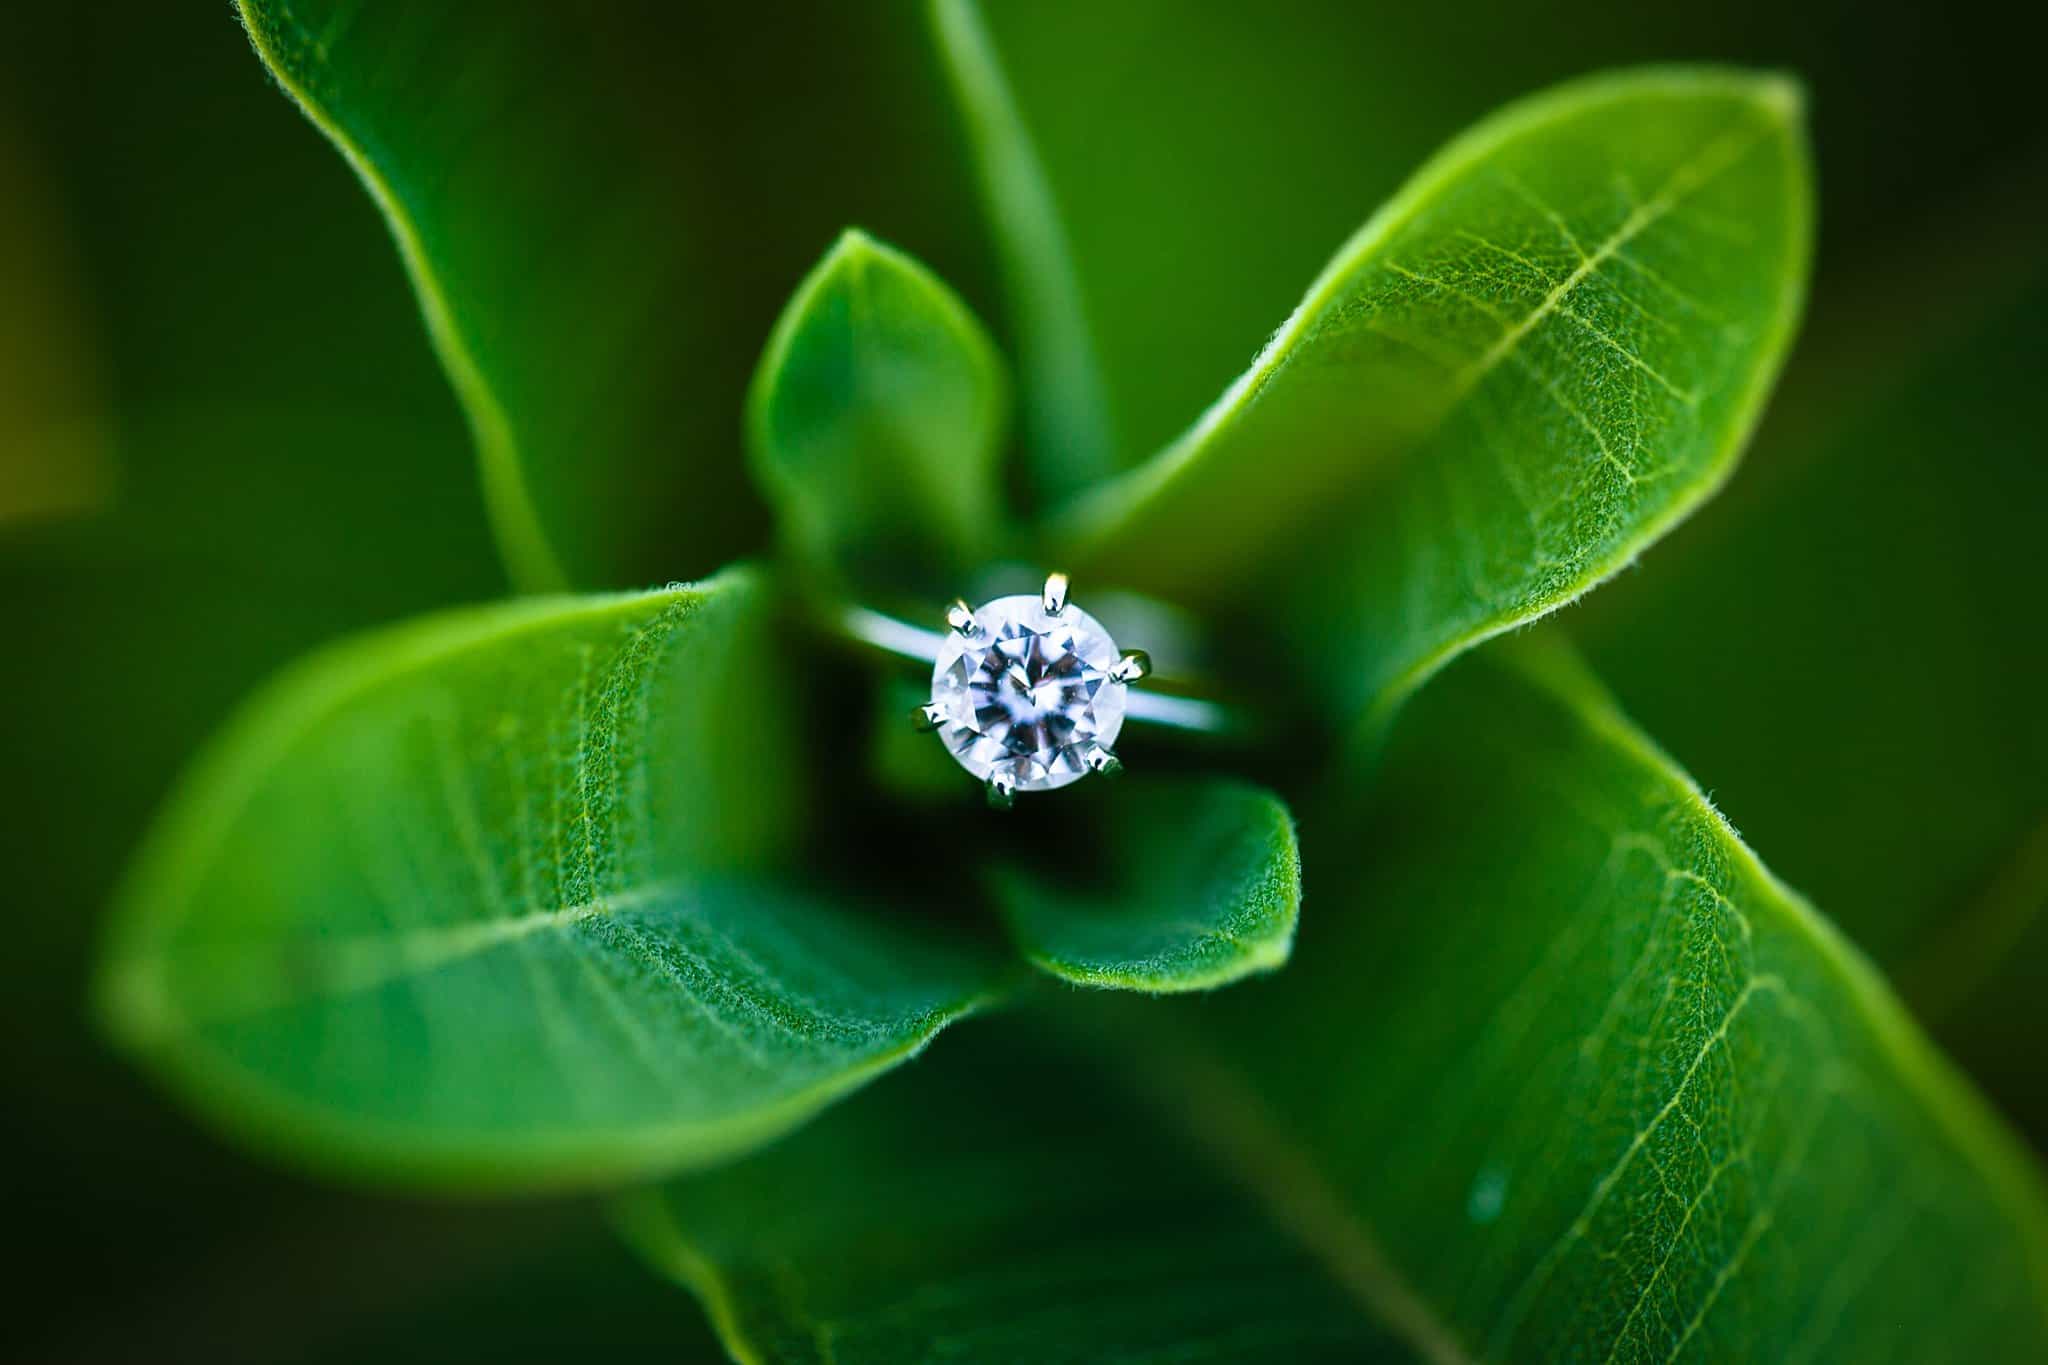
point(223, 438)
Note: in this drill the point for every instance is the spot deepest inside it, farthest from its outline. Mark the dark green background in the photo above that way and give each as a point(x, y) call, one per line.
point(290, 465)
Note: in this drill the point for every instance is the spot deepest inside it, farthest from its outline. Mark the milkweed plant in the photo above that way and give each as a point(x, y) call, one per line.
point(1440, 1014)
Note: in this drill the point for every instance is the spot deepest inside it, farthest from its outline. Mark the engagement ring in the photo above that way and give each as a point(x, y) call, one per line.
point(1029, 692)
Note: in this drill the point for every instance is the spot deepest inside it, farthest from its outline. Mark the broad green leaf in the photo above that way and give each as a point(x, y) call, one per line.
point(1538, 356)
point(1066, 412)
point(997, 1202)
point(596, 211)
point(1880, 726)
point(1199, 886)
point(1561, 1072)
point(471, 901)
point(1559, 1059)
point(1206, 157)
point(876, 422)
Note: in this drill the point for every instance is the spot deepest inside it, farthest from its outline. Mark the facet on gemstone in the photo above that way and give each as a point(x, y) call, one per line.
point(1027, 694)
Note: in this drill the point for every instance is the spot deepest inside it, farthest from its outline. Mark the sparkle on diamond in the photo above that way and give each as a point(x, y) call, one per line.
point(1027, 693)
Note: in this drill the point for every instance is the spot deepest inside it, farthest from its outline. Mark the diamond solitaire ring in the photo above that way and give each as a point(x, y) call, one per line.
point(1029, 692)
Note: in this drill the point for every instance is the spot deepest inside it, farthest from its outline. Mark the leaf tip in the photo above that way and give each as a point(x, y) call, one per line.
point(1782, 95)
point(853, 244)
point(847, 265)
point(857, 250)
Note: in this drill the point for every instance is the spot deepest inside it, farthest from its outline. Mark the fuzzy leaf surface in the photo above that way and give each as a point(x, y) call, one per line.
point(1545, 350)
point(1881, 729)
point(1198, 885)
point(1562, 1064)
point(480, 901)
point(1560, 1072)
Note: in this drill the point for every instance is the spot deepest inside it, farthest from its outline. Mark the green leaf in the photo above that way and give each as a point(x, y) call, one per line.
point(1201, 888)
point(470, 902)
point(1561, 1061)
point(1002, 1203)
point(1880, 727)
point(1561, 1072)
point(1538, 356)
point(1067, 418)
point(595, 209)
point(1200, 187)
point(876, 422)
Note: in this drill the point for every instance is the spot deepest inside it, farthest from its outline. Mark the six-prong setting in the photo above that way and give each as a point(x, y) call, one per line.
point(1028, 692)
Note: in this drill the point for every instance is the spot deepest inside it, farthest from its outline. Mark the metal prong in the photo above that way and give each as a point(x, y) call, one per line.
point(1101, 760)
point(928, 717)
point(1055, 593)
point(960, 617)
point(1002, 791)
point(1135, 664)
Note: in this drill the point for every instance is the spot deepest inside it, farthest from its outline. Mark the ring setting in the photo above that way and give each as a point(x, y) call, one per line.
point(1029, 692)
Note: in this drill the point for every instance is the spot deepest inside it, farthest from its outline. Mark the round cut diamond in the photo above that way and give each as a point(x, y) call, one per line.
point(1028, 695)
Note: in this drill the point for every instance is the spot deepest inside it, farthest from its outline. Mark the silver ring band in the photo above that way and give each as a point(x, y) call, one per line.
point(905, 641)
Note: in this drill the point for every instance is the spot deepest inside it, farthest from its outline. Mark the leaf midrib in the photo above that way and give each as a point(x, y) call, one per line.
point(231, 771)
point(363, 962)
